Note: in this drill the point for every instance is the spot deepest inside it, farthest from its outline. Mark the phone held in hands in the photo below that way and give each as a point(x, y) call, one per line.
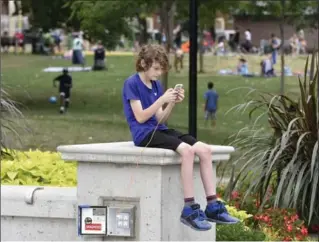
point(178, 86)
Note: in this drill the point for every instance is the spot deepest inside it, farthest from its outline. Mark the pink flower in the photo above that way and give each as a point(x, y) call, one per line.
point(289, 228)
point(235, 194)
point(304, 231)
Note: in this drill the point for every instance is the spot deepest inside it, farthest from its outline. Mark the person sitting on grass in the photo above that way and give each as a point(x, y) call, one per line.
point(267, 69)
point(242, 68)
point(143, 100)
point(99, 57)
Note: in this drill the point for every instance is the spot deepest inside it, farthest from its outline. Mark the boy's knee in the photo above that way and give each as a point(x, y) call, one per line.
point(185, 150)
point(202, 149)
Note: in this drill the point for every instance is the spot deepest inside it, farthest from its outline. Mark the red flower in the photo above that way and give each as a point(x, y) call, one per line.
point(304, 231)
point(289, 228)
point(287, 239)
point(266, 219)
point(294, 218)
point(257, 217)
point(235, 194)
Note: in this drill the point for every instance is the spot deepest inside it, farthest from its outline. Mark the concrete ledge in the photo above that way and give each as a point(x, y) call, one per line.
point(128, 153)
point(49, 202)
point(107, 175)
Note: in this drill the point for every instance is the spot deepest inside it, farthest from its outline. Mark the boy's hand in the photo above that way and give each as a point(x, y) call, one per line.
point(180, 96)
point(169, 96)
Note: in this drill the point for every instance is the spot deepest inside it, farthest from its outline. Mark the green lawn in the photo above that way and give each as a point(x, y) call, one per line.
point(96, 113)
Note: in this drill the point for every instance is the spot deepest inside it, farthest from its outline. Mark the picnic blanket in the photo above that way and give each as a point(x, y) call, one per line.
point(70, 69)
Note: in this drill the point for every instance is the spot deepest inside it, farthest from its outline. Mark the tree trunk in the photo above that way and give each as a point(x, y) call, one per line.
point(282, 36)
point(167, 20)
point(201, 52)
point(143, 30)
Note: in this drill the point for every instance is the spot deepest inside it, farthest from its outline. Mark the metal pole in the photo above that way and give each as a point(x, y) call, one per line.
point(192, 116)
point(282, 36)
point(318, 82)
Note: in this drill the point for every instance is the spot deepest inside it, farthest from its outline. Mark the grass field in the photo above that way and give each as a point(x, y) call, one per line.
point(96, 114)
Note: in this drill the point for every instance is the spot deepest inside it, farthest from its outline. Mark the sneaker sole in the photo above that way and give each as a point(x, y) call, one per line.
point(220, 222)
point(188, 225)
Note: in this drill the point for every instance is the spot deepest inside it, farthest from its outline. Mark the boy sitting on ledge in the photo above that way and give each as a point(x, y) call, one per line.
point(143, 100)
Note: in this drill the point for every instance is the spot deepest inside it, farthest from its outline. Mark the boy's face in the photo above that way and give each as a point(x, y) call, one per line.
point(154, 72)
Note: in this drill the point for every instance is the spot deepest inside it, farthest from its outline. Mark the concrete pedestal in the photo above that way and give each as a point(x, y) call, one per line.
point(122, 174)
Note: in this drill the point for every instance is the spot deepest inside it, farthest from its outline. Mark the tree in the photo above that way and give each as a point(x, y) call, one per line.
point(47, 14)
point(294, 12)
point(109, 20)
point(167, 16)
point(103, 20)
point(206, 18)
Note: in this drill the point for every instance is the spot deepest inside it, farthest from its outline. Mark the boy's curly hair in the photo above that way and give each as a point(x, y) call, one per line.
point(152, 53)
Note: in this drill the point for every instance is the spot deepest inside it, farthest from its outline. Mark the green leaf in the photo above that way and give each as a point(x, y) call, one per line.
point(12, 175)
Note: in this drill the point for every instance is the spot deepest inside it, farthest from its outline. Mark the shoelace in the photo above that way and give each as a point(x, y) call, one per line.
point(199, 214)
point(221, 207)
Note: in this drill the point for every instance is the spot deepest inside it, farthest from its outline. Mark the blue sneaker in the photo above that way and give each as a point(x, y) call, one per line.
point(217, 213)
point(195, 218)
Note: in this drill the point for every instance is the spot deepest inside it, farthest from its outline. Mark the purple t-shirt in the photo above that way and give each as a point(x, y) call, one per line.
point(135, 89)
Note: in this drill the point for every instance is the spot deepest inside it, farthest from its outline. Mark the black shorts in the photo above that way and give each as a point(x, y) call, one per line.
point(167, 139)
point(65, 93)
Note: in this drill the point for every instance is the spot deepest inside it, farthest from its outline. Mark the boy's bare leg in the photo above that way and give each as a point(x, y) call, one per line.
point(191, 215)
point(187, 155)
point(204, 153)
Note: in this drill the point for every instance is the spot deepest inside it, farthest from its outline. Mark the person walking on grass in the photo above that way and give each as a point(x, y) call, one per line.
point(211, 104)
point(65, 85)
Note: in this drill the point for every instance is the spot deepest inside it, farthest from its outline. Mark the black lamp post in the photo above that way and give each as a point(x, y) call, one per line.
point(192, 115)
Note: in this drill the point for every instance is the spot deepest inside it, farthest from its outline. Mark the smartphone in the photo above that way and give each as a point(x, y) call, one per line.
point(178, 86)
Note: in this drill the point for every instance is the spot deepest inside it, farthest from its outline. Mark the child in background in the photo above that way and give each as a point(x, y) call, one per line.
point(242, 67)
point(211, 104)
point(65, 85)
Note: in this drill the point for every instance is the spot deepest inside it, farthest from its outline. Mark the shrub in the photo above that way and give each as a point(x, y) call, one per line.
point(282, 224)
point(11, 125)
point(38, 168)
point(286, 160)
point(239, 231)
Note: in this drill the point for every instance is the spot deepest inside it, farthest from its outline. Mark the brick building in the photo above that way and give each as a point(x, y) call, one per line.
point(260, 29)
point(263, 28)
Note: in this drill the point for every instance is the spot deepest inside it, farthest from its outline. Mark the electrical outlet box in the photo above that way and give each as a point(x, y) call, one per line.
point(92, 220)
point(120, 221)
